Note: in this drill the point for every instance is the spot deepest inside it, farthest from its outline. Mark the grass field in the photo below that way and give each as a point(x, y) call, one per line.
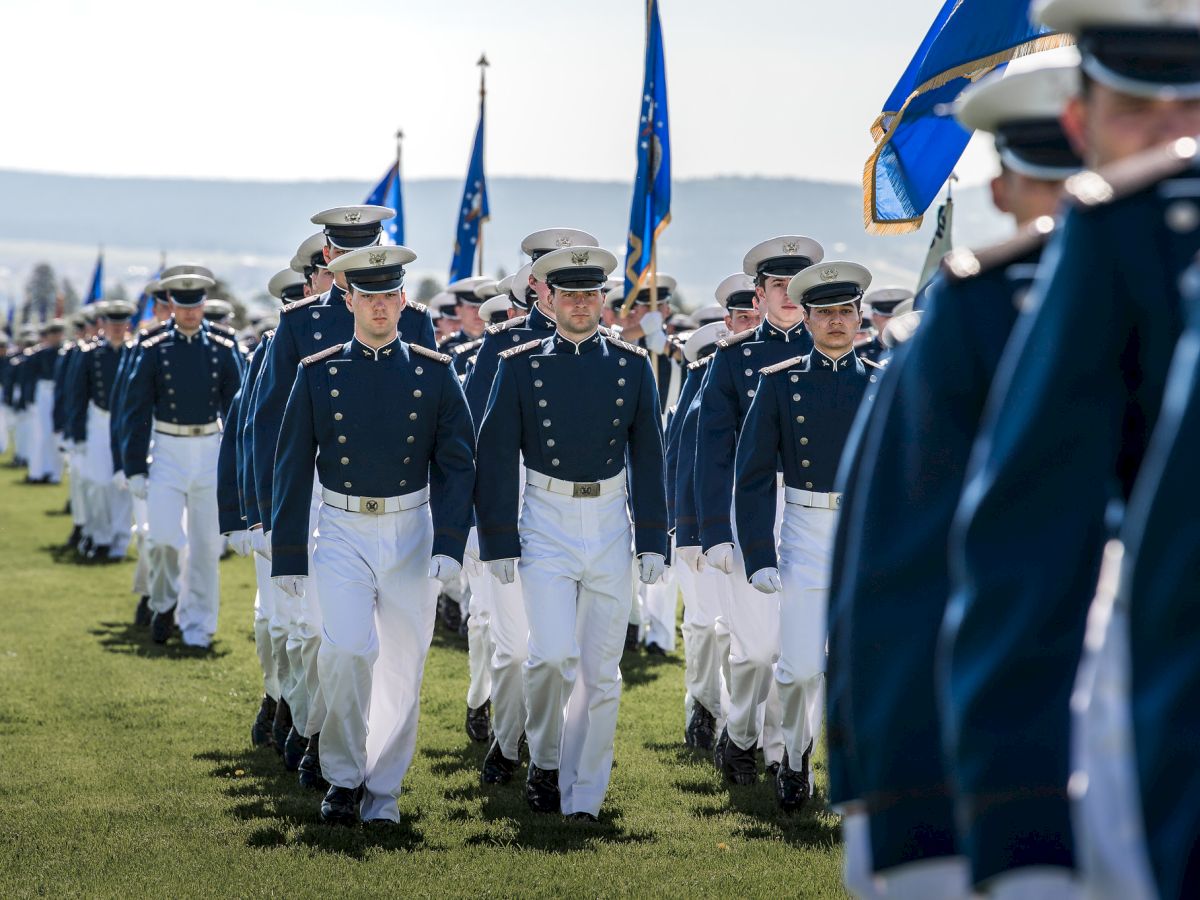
point(126, 770)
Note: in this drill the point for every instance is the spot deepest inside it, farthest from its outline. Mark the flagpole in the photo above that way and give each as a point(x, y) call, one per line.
point(399, 152)
point(483, 66)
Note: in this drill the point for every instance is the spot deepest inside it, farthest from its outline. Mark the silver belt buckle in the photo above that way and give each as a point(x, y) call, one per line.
point(197, 430)
point(586, 489)
point(835, 501)
point(373, 506)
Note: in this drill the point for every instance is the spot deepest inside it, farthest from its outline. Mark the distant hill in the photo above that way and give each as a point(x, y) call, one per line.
point(247, 230)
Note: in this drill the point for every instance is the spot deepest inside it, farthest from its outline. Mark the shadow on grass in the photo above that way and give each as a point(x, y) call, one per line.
point(130, 639)
point(813, 826)
point(641, 668)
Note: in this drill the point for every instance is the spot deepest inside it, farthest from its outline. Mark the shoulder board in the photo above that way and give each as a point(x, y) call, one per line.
point(871, 364)
point(780, 367)
point(222, 328)
point(267, 335)
point(419, 307)
point(300, 304)
point(467, 347)
point(157, 339)
point(324, 354)
point(474, 359)
point(699, 364)
point(420, 350)
point(520, 348)
point(221, 341)
point(608, 332)
point(735, 339)
point(1128, 176)
point(500, 327)
point(963, 264)
point(625, 345)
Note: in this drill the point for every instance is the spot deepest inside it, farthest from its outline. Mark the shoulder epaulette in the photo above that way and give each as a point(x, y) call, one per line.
point(300, 304)
point(467, 346)
point(221, 341)
point(607, 332)
point(520, 348)
point(625, 345)
point(1128, 176)
point(324, 354)
point(871, 364)
point(500, 327)
point(222, 328)
point(699, 364)
point(963, 264)
point(267, 335)
point(156, 340)
point(780, 367)
point(726, 343)
point(419, 307)
point(444, 358)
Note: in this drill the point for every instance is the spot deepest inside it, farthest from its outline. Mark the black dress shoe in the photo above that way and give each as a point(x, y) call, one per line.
point(161, 626)
point(737, 765)
point(585, 817)
point(293, 750)
point(85, 547)
point(719, 749)
point(451, 614)
point(792, 788)
point(144, 614)
point(479, 722)
point(73, 540)
point(340, 806)
point(310, 766)
point(701, 729)
point(652, 649)
point(541, 790)
point(260, 731)
point(631, 639)
point(282, 725)
point(98, 553)
point(498, 768)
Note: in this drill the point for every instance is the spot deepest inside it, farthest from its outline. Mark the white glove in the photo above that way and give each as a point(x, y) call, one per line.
point(240, 543)
point(651, 567)
point(260, 542)
point(137, 486)
point(690, 557)
point(292, 585)
point(767, 581)
point(472, 562)
point(77, 448)
point(120, 482)
point(656, 338)
point(721, 557)
point(444, 569)
point(503, 570)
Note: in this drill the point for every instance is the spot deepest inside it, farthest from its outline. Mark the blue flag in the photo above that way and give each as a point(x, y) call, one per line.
point(651, 209)
point(917, 144)
point(96, 291)
point(473, 212)
point(145, 304)
point(387, 193)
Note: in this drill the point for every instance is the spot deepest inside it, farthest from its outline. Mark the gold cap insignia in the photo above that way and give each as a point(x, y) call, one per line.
point(829, 273)
point(377, 259)
point(791, 247)
point(580, 258)
point(354, 217)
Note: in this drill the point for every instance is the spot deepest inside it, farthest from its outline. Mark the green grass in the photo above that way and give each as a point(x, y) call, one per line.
point(126, 770)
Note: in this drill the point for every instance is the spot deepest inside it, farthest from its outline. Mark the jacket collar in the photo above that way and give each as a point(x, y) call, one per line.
point(538, 320)
point(847, 360)
point(566, 345)
point(770, 332)
point(359, 350)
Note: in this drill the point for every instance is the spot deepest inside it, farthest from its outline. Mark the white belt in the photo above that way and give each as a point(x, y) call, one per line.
point(576, 488)
point(99, 411)
point(375, 506)
point(812, 499)
point(779, 480)
point(187, 430)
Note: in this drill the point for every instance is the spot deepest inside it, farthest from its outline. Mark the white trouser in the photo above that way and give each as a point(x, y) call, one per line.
point(309, 628)
point(508, 630)
point(702, 655)
point(659, 607)
point(1106, 809)
point(805, 550)
point(379, 605)
point(183, 481)
point(479, 642)
point(43, 452)
point(141, 534)
point(22, 425)
point(110, 507)
point(946, 878)
point(753, 622)
point(77, 492)
point(5, 423)
point(264, 608)
point(576, 556)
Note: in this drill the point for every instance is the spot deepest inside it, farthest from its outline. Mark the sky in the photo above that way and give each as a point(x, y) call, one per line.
point(268, 89)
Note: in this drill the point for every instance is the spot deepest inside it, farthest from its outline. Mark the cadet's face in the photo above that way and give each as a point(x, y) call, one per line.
point(188, 318)
point(1108, 125)
point(468, 316)
point(771, 299)
point(446, 326)
point(375, 316)
point(331, 253)
point(742, 319)
point(1024, 198)
point(114, 332)
point(322, 280)
point(543, 293)
point(577, 312)
point(833, 327)
point(162, 310)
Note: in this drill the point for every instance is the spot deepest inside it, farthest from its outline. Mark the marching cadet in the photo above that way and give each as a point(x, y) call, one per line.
point(466, 311)
point(895, 577)
point(181, 386)
point(5, 395)
point(1056, 458)
point(310, 263)
point(37, 376)
point(800, 415)
point(721, 404)
point(306, 327)
point(388, 526)
point(80, 539)
point(88, 427)
point(575, 405)
point(882, 303)
point(443, 308)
